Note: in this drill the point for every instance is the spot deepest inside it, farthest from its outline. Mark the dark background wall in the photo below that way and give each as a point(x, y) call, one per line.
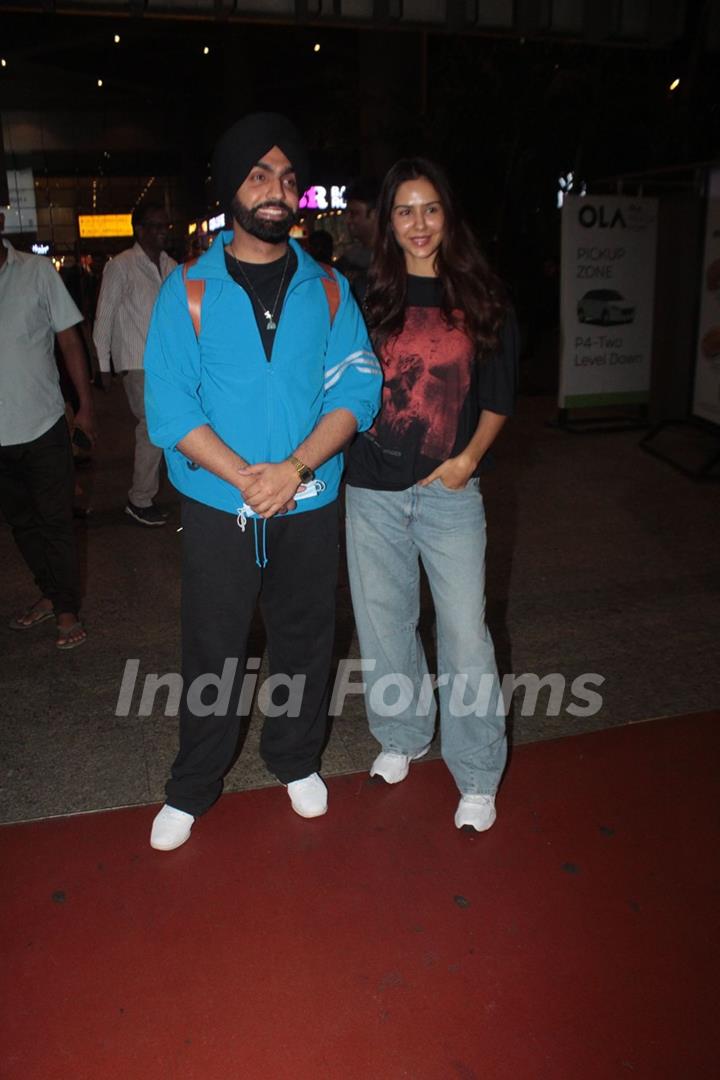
point(509, 96)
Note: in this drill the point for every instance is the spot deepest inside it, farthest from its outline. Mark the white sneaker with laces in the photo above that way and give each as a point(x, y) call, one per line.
point(308, 797)
point(170, 829)
point(476, 811)
point(394, 767)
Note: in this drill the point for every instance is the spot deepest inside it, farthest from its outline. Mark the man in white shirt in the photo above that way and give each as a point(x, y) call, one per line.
point(130, 285)
point(37, 477)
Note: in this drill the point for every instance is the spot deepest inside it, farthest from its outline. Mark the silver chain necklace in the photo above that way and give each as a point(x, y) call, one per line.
point(268, 313)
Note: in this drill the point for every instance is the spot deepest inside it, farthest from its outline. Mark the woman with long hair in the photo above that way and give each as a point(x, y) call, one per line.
point(441, 325)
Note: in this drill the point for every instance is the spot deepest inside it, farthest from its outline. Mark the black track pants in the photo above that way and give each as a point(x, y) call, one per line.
point(221, 586)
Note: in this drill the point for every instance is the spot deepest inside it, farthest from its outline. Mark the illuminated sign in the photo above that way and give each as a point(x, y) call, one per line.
point(566, 186)
point(97, 225)
point(41, 249)
point(317, 198)
point(216, 222)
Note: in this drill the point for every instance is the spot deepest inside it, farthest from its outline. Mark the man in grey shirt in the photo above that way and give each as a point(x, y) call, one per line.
point(130, 285)
point(36, 466)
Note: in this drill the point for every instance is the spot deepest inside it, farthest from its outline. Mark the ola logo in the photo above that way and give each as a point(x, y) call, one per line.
point(600, 217)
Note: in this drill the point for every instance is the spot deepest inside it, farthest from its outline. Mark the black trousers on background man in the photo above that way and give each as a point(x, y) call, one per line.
point(37, 484)
point(221, 587)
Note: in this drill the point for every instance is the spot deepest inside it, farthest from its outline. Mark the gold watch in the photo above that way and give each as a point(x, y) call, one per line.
point(305, 473)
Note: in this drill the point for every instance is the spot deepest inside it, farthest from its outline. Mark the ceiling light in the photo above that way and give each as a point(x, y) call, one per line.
point(116, 39)
point(206, 50)
point(674, 84)
point(99, 82)
point(316, 47)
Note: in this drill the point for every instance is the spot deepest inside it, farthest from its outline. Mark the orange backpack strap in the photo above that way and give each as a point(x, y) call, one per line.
point(195, 291)
point(332, 291)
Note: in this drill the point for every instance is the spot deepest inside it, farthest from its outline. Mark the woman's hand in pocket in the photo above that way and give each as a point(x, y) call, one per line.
point(453, 473)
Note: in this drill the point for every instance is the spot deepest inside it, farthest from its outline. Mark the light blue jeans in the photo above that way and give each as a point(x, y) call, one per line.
point(388, 532)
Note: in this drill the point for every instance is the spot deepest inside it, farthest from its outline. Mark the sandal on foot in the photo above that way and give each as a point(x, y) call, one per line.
point(21, 622)
point(65, 633)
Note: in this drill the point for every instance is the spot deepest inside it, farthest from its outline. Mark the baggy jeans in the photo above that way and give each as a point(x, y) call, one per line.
point(388, 533)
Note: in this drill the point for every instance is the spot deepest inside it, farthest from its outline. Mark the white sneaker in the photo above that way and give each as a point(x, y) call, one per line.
point(308, 797)
point(170, 829)
point(394, 767)
point(476, 811)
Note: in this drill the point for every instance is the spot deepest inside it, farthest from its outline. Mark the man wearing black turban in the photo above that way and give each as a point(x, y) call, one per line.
point(250, 404)
point(246, 143)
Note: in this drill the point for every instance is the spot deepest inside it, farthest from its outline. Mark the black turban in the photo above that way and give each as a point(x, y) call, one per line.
point(245, 143)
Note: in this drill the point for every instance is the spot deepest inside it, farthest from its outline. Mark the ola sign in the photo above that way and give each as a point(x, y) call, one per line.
point(601, 217)
point(607, 284)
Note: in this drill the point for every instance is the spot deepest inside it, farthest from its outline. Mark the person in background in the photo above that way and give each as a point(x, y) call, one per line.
point(36, 463)
point(320, 246)
point(72, 275)
point(194, 247)
point(130, 286)
point(361, 218)
point(440, 323)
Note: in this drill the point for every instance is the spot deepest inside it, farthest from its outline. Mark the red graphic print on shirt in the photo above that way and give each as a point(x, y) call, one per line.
point(427, 372)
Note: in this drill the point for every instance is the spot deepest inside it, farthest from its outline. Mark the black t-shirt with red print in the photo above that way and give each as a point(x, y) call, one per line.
point(433, 394)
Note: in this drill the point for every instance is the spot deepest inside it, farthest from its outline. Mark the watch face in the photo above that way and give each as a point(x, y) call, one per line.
point(305, 473)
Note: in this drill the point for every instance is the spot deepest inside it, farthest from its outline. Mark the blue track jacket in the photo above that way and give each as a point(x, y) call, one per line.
point(262, 409)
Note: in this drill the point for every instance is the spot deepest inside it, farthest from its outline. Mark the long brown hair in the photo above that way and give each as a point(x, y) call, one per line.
point(468, 284)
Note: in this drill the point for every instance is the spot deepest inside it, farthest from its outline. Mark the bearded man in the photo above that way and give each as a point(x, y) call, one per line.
point(253, 386)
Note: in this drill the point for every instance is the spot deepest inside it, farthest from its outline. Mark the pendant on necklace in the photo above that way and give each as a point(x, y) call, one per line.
point(271, 324)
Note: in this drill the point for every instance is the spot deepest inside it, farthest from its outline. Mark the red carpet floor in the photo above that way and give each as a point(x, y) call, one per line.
point(577, 939)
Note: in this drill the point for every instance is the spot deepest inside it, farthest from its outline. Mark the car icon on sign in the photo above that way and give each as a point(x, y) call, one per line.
point(605, 306)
